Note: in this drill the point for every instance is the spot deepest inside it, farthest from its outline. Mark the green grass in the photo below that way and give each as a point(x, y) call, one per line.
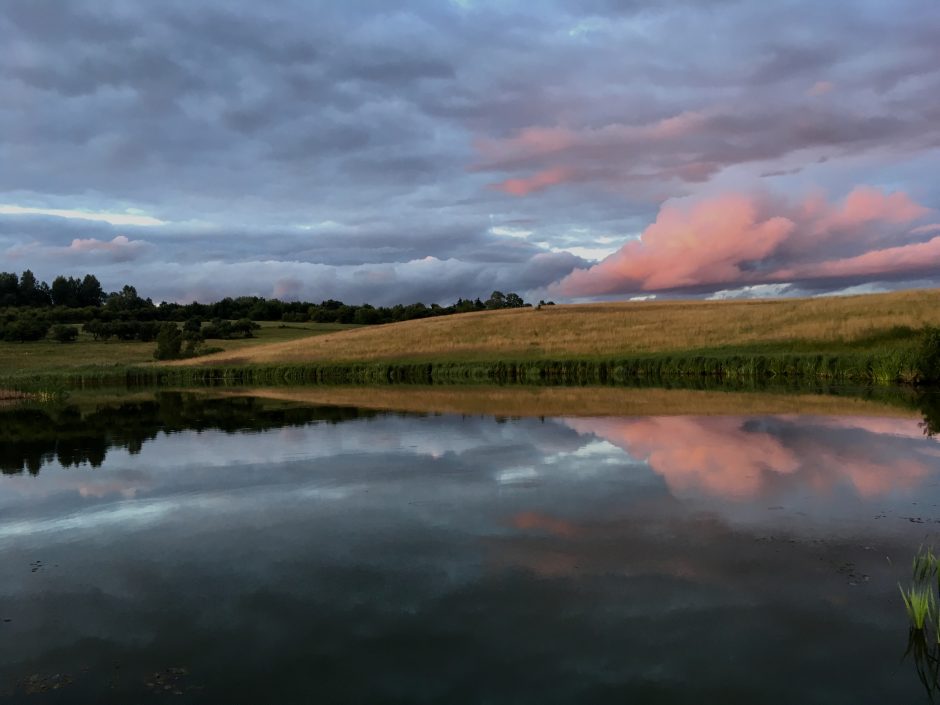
point(856, 340)
point(920, 600)
point(802, 369)
point(919, 604)
point(49, 357)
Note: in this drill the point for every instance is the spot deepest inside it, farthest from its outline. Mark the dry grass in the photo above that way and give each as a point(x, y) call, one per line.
point(608, 330)
point(576, 401)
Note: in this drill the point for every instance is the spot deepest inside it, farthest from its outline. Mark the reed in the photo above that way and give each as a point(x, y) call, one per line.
point(919, 602)
point(920, 599)
point(731, 368)
point(924, 567)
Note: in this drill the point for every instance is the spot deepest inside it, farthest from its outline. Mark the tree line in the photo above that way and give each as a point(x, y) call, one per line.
point(31, 309)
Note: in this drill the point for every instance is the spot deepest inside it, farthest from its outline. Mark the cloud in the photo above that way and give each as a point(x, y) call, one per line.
point(536, 182)
point(820, 88)
point(120, 249)
point(137, 219)
point(737, 240)
point(429, 280)
point(417, 126)
point(88, 251)
point(736, 458)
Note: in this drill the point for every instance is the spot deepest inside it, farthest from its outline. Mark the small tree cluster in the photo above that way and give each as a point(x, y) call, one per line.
point(64, 334)
point(169, 342)
point(22, 329)
point(144, 331)
point(225, 330)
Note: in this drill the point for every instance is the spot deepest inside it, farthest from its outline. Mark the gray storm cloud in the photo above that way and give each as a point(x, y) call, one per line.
point(393, 151)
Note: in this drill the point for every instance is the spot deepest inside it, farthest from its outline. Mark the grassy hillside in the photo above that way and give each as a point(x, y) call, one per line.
point(594, 331)
point(47, 356)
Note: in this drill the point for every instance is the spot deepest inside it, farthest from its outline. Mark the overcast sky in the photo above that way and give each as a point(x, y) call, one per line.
point(391, 152)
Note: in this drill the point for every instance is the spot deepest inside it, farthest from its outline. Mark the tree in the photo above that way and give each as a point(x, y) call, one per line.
point(66, 292)
point(245, 326)
point(9, 289)
point(497, 300)
point(64, 334)
point(32, 291)
point(126, 299)
point(24, 328)
point(90, 292)
point(169, 342)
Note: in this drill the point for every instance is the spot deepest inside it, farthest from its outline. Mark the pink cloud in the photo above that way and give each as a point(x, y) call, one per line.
point(537, 182)
point(120, 249)
point(820, 88)
point(889, 261)
point(714, 455)
point(866, 204)
point(584, 152)
point(536, 521)
point(719, 456)
point(740, 240)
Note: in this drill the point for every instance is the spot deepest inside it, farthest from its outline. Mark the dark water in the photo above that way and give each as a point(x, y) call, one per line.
point(239, 551)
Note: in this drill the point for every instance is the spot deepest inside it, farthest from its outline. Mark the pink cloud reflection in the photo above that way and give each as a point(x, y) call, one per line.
point(721, 456)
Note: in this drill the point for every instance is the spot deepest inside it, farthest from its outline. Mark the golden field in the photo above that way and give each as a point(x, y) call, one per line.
point(606, 330)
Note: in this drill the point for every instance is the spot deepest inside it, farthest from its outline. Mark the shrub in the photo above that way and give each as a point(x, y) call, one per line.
point(927, 359)
point(24, 329)
point(64, 334)
point(169, 342)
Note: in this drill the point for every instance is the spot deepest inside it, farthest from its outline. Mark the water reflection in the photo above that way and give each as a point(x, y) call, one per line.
point(261, 555)
point(33, 436)
point(748, 458)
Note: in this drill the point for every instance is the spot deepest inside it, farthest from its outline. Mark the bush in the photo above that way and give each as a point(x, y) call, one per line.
point(64, 334)
point(24, 329)
point(927, 360)
point(169, 342)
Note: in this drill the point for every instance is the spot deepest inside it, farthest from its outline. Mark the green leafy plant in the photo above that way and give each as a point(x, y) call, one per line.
point(920, 599)
point(920, 603)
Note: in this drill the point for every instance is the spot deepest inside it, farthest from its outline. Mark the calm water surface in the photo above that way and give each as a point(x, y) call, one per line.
point(180, 549)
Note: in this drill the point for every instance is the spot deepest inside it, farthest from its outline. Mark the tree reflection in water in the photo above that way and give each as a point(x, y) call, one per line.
point(33, 436)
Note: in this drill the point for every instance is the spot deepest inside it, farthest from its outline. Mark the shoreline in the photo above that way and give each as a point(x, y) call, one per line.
point(871, 368)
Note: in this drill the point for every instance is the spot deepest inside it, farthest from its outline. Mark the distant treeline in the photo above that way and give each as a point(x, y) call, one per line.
point(29, 308)
point(73, 300)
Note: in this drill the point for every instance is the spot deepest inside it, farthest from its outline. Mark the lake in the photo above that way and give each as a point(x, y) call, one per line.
point(279, 548)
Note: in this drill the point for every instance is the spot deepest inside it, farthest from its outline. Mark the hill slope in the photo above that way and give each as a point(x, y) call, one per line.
point(615, 329)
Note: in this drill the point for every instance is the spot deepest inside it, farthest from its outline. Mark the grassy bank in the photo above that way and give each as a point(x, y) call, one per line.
point(729, 369)
point(851, 340)
point(47, 357)
point(845, 368)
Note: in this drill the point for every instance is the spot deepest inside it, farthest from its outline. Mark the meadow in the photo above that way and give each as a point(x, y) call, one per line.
point(50, 357)
point(869, 338)
point(883, 322)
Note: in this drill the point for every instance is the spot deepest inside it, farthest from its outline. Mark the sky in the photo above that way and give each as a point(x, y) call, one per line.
point(389, 152)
